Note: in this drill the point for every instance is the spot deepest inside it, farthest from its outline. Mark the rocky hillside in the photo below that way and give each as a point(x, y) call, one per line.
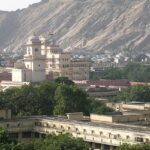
point(81, 25)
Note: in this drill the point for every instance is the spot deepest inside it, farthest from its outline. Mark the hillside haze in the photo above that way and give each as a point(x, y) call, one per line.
point(81, 25)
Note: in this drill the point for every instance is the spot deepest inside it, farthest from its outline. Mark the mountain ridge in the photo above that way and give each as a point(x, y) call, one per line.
point(81, 25)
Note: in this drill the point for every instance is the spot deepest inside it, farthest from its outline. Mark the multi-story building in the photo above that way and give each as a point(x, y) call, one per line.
point(101, 131)
point(46, 59)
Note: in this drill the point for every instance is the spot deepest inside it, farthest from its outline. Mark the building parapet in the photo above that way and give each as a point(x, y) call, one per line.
point(102, 133)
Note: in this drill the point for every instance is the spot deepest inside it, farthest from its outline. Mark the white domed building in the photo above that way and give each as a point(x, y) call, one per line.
point(44, 59)
point(32, 67)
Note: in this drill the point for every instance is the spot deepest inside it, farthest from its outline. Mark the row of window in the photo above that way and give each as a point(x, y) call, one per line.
point(93, 132)
point(110, 135)
point(15, 135)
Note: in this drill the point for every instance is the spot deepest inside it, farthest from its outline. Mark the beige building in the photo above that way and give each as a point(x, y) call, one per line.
point(102, 132)
point(46, 60)
point(130, 107)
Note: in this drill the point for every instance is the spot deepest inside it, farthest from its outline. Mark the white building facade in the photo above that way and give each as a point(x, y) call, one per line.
point(46, 60)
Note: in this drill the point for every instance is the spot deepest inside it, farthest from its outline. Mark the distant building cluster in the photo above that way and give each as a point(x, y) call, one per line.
point(46, 60)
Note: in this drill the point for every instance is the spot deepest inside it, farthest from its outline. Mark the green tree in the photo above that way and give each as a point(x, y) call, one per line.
point(134, 147)
point(46, 92)
point(132, 71)
point(47, 98)
point(70, 99)
point(3, 136)
point(99, 108)
point(135, 93)
point(51, 142)
point(61, 142)
point(64, 80)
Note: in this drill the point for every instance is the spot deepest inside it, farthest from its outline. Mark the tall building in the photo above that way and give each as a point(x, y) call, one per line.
point(32, 67)
point(44, 59)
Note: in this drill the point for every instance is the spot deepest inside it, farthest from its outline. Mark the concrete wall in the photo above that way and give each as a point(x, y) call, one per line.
point(38, 76)
point(131, 106)
point(75, 116)
point(98, 118)
point(127, 118)
point(18, 75)
point(116, 118)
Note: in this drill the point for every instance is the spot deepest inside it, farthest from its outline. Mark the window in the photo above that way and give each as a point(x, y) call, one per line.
point(147, 140)
point(109, 134)
point(115, 136)
point(26, 134)
point(54, 126)
point(119, 136)
point(77, 129)
point(36, 49)
point(101, 132)
point(92, 131)
point(62, 127)
point(139, 139)
point(128, 137)
point(13, 135)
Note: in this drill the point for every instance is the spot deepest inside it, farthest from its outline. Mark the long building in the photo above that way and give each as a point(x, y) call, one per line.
point(102, 132)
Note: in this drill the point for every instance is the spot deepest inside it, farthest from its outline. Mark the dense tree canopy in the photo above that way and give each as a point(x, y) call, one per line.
point(48, 98)
point(70, 99)
point(61, 142)
point(132, 71)
point(134, 147)
point(51, 142)
point(99, 108)
point(134, 93)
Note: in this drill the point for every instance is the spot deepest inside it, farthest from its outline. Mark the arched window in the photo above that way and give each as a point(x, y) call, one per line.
point(101, 133)
point(92, 131)
point(61, 127)
point(77, 129)
point(128, 137)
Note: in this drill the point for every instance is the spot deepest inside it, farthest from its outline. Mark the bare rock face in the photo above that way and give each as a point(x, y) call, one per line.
point(81, 25)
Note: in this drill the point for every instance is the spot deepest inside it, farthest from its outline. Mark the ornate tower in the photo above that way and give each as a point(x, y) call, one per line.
point(34, 60)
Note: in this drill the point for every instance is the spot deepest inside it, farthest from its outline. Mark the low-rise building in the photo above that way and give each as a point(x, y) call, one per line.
point(101, 131)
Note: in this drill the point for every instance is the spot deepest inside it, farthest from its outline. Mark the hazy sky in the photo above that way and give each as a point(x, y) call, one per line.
point(15, 4)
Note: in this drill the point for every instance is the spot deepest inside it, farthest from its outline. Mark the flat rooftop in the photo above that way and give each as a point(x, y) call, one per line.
point(114, 126)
